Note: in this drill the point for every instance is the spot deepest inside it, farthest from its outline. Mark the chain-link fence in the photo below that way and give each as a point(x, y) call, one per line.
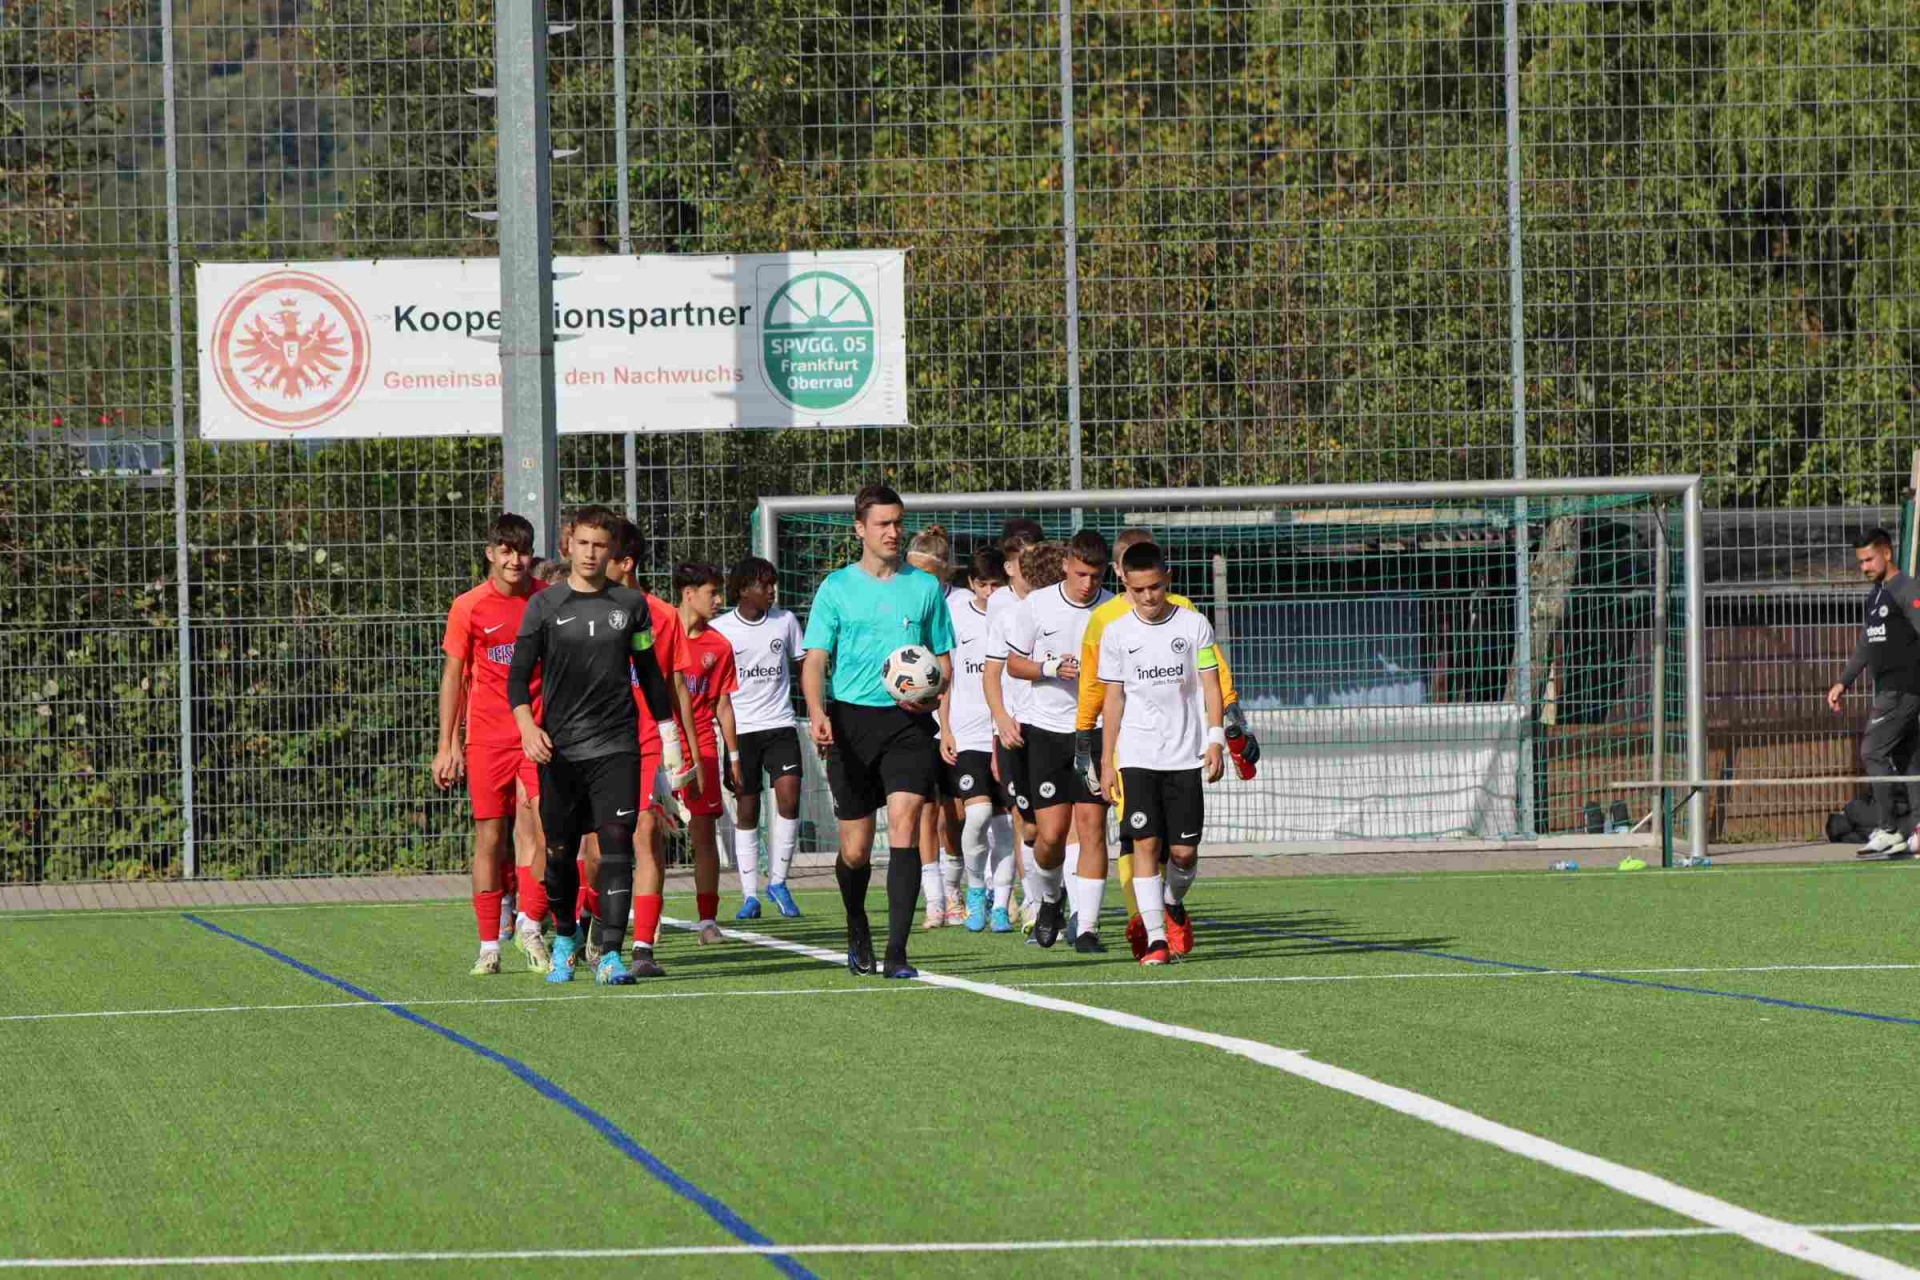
point(1151, 245)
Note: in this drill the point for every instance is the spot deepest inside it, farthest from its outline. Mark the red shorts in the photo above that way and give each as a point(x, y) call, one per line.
point(649, 770)
point(707, 804)
point(491, 773)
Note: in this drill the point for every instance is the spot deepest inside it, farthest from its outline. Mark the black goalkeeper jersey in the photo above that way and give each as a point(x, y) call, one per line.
point(583, 642)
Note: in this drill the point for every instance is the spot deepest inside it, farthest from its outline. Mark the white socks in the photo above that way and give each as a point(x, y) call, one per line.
point(973, 843)
point(1029, 876)
point(1150, 893)
point(786, 838)
point(1000, 861)
point(1088, 896)
point(933, 887)
point(1180, 880)
point(1051, 881)
point(746, 858)
point(950, 872)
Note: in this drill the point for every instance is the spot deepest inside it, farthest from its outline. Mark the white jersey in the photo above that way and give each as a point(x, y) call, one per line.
point(763, 652)
point(967, 713)
point(1048, 625)
point(1163, 725)
point(1001, 606)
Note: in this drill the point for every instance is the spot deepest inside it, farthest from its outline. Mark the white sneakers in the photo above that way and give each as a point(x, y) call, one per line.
point(1883, 841)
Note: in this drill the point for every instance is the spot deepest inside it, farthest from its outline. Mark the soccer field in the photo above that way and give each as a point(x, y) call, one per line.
point(1504, 1074)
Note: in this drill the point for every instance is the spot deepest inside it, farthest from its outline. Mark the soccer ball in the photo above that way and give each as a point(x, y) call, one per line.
point(912, 676)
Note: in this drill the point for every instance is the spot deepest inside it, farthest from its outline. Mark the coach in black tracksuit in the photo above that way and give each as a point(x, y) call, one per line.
point(1890, 647)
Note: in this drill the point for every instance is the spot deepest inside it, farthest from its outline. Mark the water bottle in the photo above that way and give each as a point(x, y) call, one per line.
point(1692, 861)
point(1566, 864)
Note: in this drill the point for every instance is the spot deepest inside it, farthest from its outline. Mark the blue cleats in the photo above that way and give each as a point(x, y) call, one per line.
point(902, 970)
point(562, 955)
point(783, 899)
point(1000, 921)
point(976, 910)
point(749, 910)
point(612, 971)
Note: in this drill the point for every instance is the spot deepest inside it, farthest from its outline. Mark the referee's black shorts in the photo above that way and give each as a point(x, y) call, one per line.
point(878, 751)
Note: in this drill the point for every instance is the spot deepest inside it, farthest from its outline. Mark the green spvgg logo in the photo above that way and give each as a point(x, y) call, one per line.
point(818, 341)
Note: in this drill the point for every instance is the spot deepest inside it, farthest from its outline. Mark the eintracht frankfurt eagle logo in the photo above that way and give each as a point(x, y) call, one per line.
point(290, 350)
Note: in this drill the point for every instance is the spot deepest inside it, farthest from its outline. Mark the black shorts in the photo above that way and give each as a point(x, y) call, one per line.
point(1013, 777)
point(1162, 804)
point(971, 778)
point(1051, 777)
point(772, 753)
point(878, 751)
point(579, 796)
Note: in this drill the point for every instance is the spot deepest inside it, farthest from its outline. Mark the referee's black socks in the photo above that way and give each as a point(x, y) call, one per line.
point(853, 885)
point(903, 895)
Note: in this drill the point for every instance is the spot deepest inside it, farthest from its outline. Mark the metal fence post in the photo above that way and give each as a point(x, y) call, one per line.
point(1696, 667)
point(530, 456)
point(1070, 243)
point(182, 561)
point(623, 210)
point(1517, 373)
point(1662, 584)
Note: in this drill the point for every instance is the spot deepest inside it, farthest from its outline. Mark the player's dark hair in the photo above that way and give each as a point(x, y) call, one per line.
point(989, 565)
point(748, 572)
point(511, 531)
point(629, 543)
point(694, 573)
point(1141, 556)
point(1024, 528)
point(1873, 538)
point(875, 495)
point(1131, 537)
point(1089, 548)
point(1043, 564)
point(597, 517)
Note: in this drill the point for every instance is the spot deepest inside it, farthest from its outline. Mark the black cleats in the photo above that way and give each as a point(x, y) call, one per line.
point(859, 946)
point(1089, 944)
point(644, 965)
point(1047, 925)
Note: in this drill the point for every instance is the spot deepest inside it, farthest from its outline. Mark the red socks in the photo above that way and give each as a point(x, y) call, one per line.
point(646, 917)
point(486, 914)
point(708, 904)
point(533, 894)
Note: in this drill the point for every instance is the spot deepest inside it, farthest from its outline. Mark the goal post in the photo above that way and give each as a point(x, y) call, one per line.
point(1426, 665)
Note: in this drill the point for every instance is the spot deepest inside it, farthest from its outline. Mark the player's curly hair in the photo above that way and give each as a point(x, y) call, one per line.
point(1043, 564)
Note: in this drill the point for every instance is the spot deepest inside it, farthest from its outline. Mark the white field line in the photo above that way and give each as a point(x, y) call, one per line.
point(924, 1246)
point(1769, 1233)
point(904, 989)
point(1371, 877)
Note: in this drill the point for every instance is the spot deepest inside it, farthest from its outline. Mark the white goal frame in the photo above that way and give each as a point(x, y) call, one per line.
point(1684, 488)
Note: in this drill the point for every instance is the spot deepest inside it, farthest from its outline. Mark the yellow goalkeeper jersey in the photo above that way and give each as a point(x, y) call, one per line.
point(1093, 694)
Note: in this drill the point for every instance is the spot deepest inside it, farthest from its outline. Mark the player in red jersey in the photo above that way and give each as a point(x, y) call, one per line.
point(481, 627)
point(697, 586)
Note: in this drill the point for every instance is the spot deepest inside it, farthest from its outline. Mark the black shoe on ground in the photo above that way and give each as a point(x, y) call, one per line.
point(644, 965)
point(1089, 944)
point(1047, 925)
point(859, 946)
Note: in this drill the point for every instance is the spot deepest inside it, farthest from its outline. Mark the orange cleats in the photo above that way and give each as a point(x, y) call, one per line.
point(1137, 937)
point(1157, 954)
point(1179, 930)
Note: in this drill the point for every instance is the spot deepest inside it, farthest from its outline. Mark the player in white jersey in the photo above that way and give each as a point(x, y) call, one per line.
point(766, 645)
point(1043, 646)
point(1165, 711)
point(966, 748)
point(928, 551)
point(1006, 697)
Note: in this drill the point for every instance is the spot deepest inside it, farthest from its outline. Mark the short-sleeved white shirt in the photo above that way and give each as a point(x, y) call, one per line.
point(1049, 625)
point(967, 712)
point(763, 654)
point(1163, 725)
point(1001, 606)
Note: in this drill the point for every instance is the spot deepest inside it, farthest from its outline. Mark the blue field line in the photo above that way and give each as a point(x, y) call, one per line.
point(730, 1222)
point(1516, 967)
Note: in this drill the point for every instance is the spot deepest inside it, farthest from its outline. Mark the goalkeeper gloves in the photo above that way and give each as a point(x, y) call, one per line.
point(673, 757)
point(1083, 759)
point(1050, 666)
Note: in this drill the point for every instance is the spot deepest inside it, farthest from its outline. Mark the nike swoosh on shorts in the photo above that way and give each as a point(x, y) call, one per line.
point(621, 813)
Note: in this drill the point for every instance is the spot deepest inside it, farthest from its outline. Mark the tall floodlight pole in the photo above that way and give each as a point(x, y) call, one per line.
point(530, 454)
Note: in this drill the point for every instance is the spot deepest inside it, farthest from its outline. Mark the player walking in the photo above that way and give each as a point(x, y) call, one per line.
point(765, 641)
point(881, 752)
point(1007, 702)
point(1241, 743)
point(479, 644)
point(939, 864)
point(966, 743)
point(1043, 646)
point(697, 587)
point(1890, 648)
point(582, 637)
point(1165, 710)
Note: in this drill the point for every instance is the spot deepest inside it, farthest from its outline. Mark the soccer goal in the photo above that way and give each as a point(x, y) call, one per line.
point(1425, 665)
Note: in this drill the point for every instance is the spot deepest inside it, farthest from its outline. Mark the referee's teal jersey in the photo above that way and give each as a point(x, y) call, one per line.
point(860, 620)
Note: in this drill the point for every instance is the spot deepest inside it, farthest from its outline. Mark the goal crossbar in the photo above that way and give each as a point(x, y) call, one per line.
point(1685, 488)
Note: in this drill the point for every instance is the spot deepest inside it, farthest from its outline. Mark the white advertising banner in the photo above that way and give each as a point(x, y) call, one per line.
point(410, 347)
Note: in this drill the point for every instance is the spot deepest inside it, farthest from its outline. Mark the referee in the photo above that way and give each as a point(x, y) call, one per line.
point(1890, 648)
point(880, 752)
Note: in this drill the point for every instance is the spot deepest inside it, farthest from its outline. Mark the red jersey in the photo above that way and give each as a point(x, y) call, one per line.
point(716, 677)
point(670, 647)
point(481, 627)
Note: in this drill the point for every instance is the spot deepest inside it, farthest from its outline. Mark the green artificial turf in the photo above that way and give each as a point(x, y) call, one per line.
point(825, 1109)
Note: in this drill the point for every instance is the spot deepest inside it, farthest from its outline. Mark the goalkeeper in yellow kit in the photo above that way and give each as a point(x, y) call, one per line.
point(1093, 694)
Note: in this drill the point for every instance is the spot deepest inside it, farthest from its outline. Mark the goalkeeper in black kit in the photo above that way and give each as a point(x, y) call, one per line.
point(584, 635)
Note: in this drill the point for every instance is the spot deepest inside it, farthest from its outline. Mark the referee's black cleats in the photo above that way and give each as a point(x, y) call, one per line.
point(901, 969)
point(1047, 925)
point(1089, 944)
point(859, 946)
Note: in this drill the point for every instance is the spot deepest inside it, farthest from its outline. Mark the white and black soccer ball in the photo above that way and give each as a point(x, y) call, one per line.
point(912, 676)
